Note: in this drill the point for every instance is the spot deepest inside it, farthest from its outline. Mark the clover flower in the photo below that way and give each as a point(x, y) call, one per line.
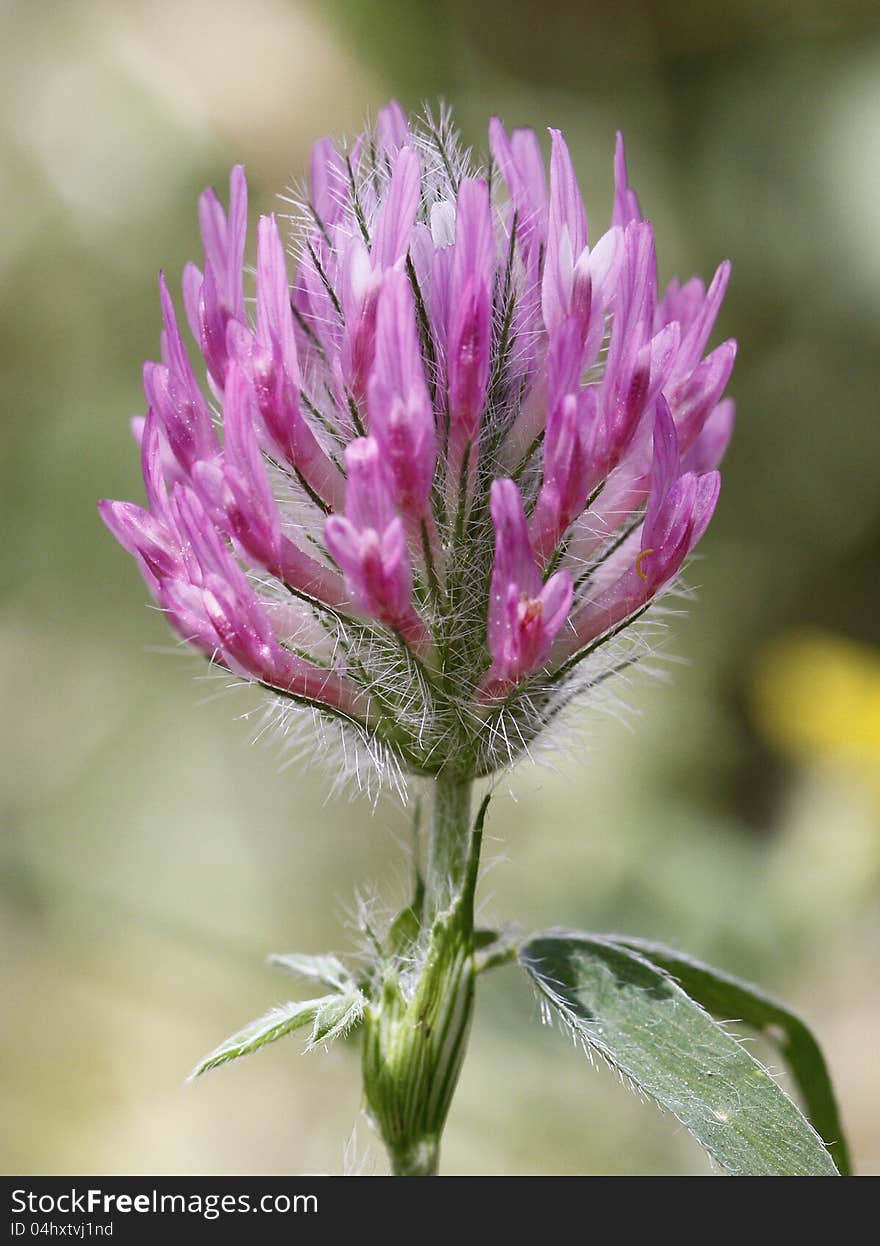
point(447, 456)
point(425, 489)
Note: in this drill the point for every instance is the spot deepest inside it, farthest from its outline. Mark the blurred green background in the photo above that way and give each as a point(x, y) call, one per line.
point(151, 855)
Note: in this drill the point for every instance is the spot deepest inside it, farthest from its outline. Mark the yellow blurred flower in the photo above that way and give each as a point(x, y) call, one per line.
point(817, 697)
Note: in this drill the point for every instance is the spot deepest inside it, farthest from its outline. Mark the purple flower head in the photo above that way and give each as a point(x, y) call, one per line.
point(441, 453)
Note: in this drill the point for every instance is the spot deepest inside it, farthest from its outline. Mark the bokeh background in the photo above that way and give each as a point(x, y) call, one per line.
point(151, 854)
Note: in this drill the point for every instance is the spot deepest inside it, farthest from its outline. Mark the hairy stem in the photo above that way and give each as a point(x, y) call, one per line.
point(449, 845)
point(417, 1023)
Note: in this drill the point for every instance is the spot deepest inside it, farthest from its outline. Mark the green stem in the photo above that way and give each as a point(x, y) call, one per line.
point(423, 1161)
point(449, 845)
point(416, 1028)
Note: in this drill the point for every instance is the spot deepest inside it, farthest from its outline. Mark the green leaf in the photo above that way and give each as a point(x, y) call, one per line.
point(728, 997)
point(329, 1016)
point(637, 1018)
point(266, 1029)
point(328, 970)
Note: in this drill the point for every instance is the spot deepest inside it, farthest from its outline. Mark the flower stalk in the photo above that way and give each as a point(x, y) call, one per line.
point(450, 842)
point(417, 1024)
